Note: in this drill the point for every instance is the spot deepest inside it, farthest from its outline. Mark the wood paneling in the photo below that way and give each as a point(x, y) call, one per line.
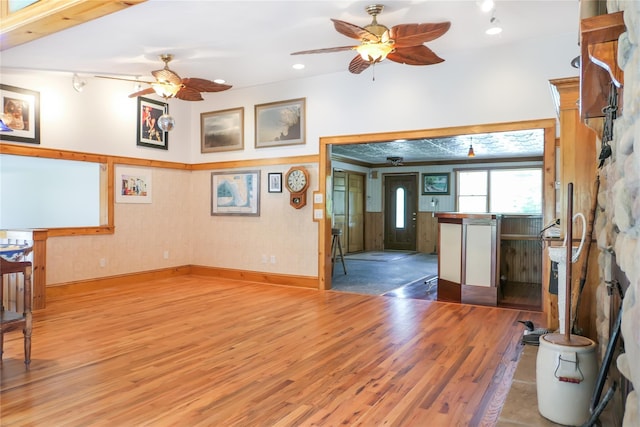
point(373, 239)
point(578, 165)
point(427, 233)
point(191, 350)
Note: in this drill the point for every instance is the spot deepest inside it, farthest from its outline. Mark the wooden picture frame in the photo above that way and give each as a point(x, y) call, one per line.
point(280, 123)
point(434, 184)
point(222, 130)
point(235, 193)
point(21, 113)
point(148, 132)
point(275, 182)
point(133, 185)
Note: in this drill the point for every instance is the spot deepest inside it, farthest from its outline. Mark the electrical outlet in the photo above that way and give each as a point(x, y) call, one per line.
point(273, 259)
point(264, 259)
point(165, 255)
point(103, 262)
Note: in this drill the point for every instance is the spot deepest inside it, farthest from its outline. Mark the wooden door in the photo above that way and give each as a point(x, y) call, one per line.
point(348, 209)
point(355, 213)
point(400, 210)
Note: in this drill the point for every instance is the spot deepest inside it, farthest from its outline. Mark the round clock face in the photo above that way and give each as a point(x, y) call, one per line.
point(296, 180)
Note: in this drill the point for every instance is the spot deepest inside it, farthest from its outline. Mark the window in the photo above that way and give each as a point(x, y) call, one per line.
point(500, 190)
point(400, 208)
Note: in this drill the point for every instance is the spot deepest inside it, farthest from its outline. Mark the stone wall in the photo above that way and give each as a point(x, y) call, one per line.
point(618, 221)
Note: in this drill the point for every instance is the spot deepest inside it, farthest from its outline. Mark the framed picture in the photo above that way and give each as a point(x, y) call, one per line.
point(149, 134)
point(133, 185)
point(222, 130)
point(275, 182)
point(235, 193)
point(21, 114)
point(280, 123)
point(435, 183)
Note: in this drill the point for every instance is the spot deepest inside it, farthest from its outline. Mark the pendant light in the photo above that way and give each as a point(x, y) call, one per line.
point(471, 153)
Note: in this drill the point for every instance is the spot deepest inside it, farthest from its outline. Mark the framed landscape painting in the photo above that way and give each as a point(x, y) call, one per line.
point(280, 123)
point(222, 130)
point(435, 183)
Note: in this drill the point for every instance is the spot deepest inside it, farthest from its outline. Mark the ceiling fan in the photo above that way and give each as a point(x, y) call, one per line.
point(402, 43)
point(169, 84)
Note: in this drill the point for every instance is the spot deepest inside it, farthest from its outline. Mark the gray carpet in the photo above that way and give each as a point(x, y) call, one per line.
point(376, 273)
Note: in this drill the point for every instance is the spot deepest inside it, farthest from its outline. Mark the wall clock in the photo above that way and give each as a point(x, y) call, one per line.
point(297, 182)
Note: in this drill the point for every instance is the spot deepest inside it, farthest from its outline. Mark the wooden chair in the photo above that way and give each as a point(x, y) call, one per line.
point(10, 320)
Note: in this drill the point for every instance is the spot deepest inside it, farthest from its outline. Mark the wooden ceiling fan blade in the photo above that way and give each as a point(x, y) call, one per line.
point(325, 50)
point(414, 55)
point(358, 65)
point(189, 94)
point(353, 31)
point(204, 85)
point(146, 91)
point(406, 35)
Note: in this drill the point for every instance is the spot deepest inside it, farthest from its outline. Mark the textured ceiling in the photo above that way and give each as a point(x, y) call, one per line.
point(489, 146)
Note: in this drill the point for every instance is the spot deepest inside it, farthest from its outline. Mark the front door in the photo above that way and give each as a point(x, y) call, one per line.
point(400, 209)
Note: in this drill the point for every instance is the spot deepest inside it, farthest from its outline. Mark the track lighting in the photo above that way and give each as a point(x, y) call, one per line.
point(78, 83)
point(494, 26)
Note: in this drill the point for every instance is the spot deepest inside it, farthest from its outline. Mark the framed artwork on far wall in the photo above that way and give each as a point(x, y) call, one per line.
point(133, 185)
point(21, 114)
point(222, 130)
point(435, 184)
point(275, 182)
point(235, 193)
point(149, 133)
point(280, 123)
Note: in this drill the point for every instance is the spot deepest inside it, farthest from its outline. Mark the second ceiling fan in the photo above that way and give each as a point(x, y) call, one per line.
point(403, 43)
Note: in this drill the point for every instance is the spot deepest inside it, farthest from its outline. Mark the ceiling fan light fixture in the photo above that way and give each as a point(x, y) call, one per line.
point(374, 52)
point(165, 89)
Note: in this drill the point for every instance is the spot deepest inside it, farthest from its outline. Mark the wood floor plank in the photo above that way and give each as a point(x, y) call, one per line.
point(206, 351)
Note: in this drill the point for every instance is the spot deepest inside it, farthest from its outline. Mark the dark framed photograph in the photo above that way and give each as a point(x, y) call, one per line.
point(275, 182)
point(235, 193)
point(222, 130)
point(20, 114)
point(280, 123)
point(149, 133)
point(435, 183)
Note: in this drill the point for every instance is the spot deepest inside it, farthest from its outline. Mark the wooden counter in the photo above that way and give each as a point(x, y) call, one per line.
point(468, 257)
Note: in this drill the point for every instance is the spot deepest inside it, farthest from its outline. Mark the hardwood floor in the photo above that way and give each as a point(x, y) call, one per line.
point(195, 351)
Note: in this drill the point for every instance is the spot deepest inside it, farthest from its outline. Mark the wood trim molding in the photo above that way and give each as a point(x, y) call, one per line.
point(70, 288)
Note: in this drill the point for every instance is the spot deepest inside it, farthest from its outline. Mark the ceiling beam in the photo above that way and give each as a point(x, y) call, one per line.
point(46, 17)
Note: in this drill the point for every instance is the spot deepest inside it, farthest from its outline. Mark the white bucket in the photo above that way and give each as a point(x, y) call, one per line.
point(565, 378)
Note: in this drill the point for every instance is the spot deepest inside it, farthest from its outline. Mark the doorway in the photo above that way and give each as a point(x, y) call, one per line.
point(400, 210)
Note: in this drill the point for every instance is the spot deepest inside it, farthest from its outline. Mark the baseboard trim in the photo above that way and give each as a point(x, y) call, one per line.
point(89, 285)
point(256, 276)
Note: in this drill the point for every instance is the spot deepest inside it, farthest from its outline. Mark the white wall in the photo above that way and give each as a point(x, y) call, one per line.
point(504, 85)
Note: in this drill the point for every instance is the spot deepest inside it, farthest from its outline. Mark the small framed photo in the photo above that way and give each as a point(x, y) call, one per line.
point(275, 182)
point(280, 123)
point(21, 114)
point(149, 133)
point(435, 183)
point(133, 185)
point(235, 193)
point(222, 130)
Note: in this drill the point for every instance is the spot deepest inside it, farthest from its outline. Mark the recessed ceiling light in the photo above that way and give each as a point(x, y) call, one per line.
point(220, 81)
point(298, 66)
